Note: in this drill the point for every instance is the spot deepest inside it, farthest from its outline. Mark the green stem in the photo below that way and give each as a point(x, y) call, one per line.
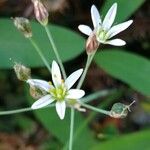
point(88, 62)
point(96, 109)
point(71, 128)
point(40, 53)
point(10, 112)
point(55, 50)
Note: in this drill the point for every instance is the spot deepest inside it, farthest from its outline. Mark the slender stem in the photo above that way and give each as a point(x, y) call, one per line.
point(71, 128)
point(10, 112)
point(88, 62)
point(96, 109)
point(40, 53)
point(55, 50)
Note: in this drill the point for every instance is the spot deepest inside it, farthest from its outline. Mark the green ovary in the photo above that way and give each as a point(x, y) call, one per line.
point(102, 35)
point(58, 93)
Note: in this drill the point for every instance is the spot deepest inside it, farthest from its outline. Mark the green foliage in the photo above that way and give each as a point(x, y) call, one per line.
point(125, 8)
point(14, 46)
point(134, 141)
point(130, 68)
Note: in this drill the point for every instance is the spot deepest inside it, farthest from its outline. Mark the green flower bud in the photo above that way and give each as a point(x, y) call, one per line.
point(23, 25)
point(23, 73)
point(120, 110)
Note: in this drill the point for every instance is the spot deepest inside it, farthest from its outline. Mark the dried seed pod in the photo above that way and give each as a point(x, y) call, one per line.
point(37, 92)
point(23, 73)
point(23, 25)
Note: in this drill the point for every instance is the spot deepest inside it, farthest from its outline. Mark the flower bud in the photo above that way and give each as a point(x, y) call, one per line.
point(40, 12)
point(91, 44)
point(120, 110)
point(23, 25)
point(23, 73)
point(36, 92)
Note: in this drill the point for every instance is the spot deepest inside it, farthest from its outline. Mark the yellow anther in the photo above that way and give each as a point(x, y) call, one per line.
point(50, 83)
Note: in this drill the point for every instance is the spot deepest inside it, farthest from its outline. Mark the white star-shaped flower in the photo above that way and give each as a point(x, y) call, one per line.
point(59, 92)
point(104, 29)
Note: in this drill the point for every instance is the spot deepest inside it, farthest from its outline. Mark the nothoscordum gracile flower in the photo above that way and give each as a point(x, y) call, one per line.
point(103, 30)
point(59, 92)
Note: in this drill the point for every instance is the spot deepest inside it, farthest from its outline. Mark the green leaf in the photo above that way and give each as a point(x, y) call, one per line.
point(14, 46)
point(125, 8)
point(134, 141)
point(130, 68)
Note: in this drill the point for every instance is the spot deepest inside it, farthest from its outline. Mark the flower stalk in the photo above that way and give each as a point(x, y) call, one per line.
point(55, 50)
point(72, 115)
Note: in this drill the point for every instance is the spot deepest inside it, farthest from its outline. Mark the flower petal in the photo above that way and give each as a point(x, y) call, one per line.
point(56, 74)
point(96, 19)
point(40, 83)
point(116, 42)
point(110, 16)
point(61, 108)
point(119, 28)
point(73, 78)
point(85, 29)
point(44, 101)
point(75, 94)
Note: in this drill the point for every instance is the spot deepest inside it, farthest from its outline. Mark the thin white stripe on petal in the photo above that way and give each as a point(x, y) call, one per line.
point(119, 28)
point(95, 16)
point(56, 74)
point(73, 78)
point(40, 83)
point(85, 29)
point(110, 17)
point(44, 101)
point(116, 42)
point(75, 94)
point(61, 108)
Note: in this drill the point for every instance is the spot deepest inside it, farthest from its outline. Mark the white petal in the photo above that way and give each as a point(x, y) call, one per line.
point(116, 42)
point(73, 78)
point(110, 16)
point(56, 74)
point(95, 16)
point(75, 94)
point(85, 29)
point(119, 28)
point(61, 108)
point(44, 101)
point(40, 83)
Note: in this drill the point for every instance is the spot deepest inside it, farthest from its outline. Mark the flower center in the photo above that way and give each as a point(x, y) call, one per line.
point(101, 34)
point(59, 93)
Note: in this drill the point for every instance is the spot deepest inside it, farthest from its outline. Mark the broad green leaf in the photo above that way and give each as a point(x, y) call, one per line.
point(134, 141)
point(125, 8)
point(14, 46)
point(129, 68)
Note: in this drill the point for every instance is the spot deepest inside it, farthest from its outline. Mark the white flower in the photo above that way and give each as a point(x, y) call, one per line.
point(59, 92)
point(103, 29)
